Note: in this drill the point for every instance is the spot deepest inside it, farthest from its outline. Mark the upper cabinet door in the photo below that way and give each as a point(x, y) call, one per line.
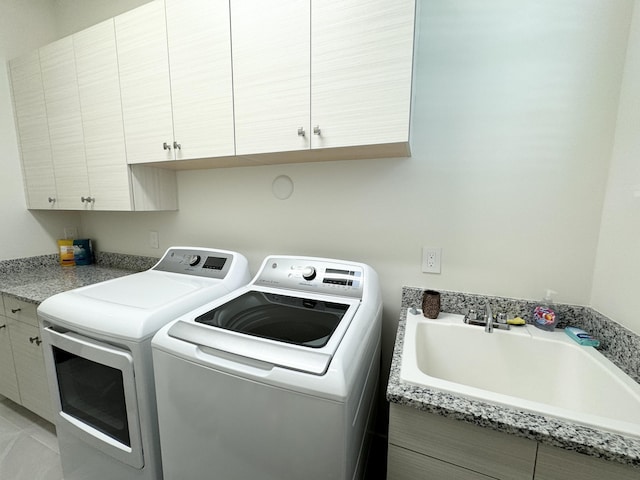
point(60, 83)
point(99, 88)
point(361, 64)
point(199, 40)
point(33, 131)
point(271, 68)
point(141, 38)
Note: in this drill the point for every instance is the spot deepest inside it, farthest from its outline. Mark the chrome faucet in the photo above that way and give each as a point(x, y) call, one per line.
point(487, 321)
point(488, 327)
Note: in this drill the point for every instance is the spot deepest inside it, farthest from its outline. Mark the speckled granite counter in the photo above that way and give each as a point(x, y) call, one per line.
point(34, 279)
point(546, 430)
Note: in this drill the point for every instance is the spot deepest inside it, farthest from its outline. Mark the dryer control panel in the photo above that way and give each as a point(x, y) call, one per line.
point(202, 262)
point(312, 274)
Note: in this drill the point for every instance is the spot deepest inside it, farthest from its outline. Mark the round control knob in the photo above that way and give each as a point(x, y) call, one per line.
point(309, 273)
point(194, 260)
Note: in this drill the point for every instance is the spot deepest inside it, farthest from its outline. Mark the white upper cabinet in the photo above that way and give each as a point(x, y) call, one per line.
point(175, 78)
point(361, 70)
point(271, 67)
point(69, 122)
point(33, 131)
point(338, 71)
point(141, 38)
point(99, 89)
point(62, 100)
point(201, 83)
point(199, 41)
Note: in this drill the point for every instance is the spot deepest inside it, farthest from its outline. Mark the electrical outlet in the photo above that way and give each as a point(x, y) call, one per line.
point(154, 239)
point(70, 232)
point(431, 260)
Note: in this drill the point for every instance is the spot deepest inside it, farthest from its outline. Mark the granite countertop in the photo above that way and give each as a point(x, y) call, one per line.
point(546, 430)
point(34, 279)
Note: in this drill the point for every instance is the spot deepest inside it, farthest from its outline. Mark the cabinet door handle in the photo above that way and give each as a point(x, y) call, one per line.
point(87, 199)
point(177, 146)
point(2, 326)
point(35, 340)
point(166, 146)
point(316, 130)
point(301, 132)
point(52, 200)
point(15, 310)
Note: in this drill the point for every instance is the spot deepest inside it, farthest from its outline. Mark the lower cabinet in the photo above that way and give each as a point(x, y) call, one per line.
point(30, 371)
point(408, 465)
point(23, 376)
point(427, 446)
point(8, 379)
point(558, 464)
point(447, 448)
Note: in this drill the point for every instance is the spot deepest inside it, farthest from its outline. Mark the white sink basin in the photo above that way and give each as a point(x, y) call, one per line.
point(524, 368)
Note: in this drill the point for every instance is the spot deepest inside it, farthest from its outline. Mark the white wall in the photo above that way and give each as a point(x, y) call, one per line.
point(24, 26)
point(515, 112)
point(617, 274)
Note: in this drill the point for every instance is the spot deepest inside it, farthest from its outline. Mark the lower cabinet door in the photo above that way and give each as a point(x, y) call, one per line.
point(558, 464)
point(8, 379)
point(404, 464)
point(30, 370)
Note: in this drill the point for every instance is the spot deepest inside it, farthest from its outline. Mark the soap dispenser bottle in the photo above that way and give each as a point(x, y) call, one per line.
point(544, 314)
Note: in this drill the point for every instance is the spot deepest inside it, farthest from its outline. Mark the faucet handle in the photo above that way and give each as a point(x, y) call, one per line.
point(501, 318)
point(471, 316)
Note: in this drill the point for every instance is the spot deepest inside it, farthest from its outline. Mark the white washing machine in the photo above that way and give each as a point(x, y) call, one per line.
point(275, 381)
point(97, 343)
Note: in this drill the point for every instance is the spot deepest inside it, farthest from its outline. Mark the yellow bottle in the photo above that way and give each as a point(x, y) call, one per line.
point(65, 249)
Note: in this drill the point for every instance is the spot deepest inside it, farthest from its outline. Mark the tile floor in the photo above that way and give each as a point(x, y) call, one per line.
point(28, 445)
point(29, 448)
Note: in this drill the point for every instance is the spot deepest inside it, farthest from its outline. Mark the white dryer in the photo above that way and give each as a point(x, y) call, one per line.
point(97, 343)
point(275, 381)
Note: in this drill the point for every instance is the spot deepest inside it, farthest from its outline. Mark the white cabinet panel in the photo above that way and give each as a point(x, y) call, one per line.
point(8, 379)
point(99, 89)
point(141, 38)
point(33, 130)
point(199, 41)
point(361, 69)
point(30, 369)
point(271, 67)
point(59, 79)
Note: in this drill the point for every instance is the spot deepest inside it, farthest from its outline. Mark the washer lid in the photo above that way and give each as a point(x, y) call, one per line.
point(146, 290)
point(299, 333)
point(133, 307)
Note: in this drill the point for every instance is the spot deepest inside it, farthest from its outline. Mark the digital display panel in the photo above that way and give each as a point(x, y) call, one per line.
point(340, 272)
point(214, 263)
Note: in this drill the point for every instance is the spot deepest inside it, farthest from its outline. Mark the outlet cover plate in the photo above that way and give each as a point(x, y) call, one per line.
point(431, 260)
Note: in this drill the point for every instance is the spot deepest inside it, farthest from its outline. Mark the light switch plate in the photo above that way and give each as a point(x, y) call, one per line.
point(154, 239)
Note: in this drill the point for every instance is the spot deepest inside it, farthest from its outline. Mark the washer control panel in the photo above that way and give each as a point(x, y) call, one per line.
point(312, 274)
point(202, 262)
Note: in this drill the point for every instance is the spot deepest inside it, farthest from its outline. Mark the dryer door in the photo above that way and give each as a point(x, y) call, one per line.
point(94, 393)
